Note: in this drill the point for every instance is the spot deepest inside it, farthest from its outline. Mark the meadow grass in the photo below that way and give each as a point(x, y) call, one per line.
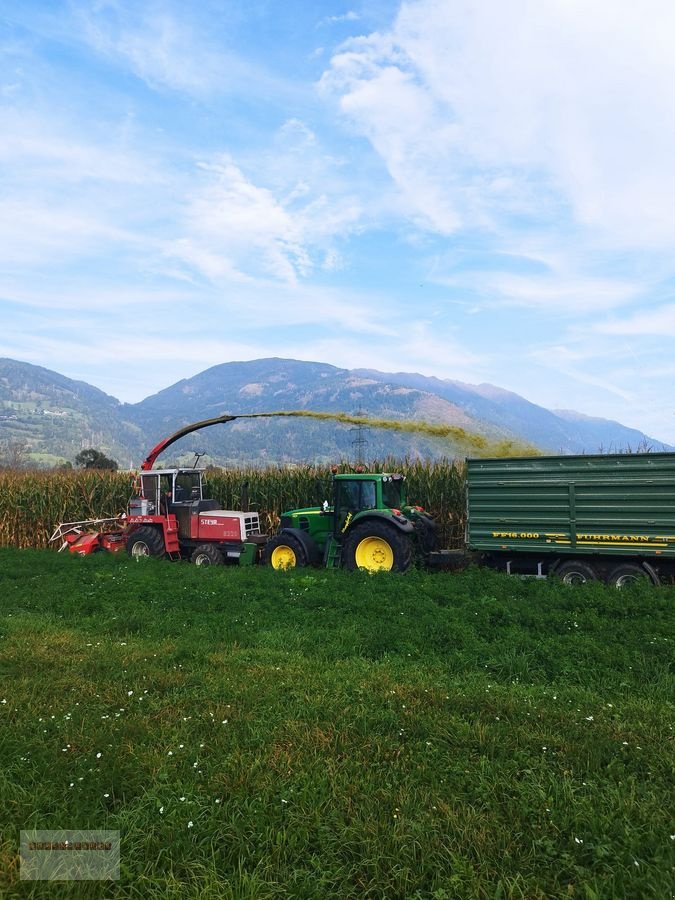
point(333, 735)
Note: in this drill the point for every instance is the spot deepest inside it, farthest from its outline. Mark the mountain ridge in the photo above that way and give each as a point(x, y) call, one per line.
point(54, 416)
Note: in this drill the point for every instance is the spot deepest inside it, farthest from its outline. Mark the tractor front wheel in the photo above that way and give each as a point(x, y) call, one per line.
point(283, 551)
point(207, 555)
point(145, 541)
point(377, 547)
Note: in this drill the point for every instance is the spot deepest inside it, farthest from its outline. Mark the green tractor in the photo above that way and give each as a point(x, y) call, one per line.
point(368, 526)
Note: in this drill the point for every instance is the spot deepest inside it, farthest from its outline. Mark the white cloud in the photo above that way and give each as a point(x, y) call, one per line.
point(179, 47)
point(401, 121)
point(161, 49)
point(88, 294)
point(70, 188)
point(234, 223)
point(571, 296)
point(236, 228)
point(267, 310)
point(415, 348)
point(350, 16)
point(659, 321)
point(46, 149)
point(41, 234)
point(561, 361)
point(529, 98)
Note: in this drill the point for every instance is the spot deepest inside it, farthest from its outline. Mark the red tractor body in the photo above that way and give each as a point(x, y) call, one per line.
point(170, 517)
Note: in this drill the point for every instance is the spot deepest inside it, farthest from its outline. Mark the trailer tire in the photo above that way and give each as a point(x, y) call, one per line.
point(207, 555)
point(284, 551)
point(145, 541)
point(626, 574)
point(377, 547)
point(575, 572)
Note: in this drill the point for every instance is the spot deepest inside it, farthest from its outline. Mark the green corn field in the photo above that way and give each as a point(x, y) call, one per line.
point(32, 503)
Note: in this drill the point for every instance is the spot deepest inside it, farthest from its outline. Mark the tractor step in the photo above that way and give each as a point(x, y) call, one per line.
point(333, 555)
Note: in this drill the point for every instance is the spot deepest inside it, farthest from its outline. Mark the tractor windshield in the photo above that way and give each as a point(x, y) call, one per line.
point(188, 486)
point(392, 494)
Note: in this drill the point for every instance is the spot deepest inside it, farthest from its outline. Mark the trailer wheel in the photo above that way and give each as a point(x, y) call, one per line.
point(625, 575)
point(207, 555)
point(377, 547)
point(145, 541)
point(283, 551)
point(575, 572)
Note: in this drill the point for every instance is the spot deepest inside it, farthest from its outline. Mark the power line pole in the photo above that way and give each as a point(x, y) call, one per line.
point(359, 443)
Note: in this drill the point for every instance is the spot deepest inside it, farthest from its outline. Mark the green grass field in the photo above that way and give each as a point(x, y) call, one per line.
point(259, 734)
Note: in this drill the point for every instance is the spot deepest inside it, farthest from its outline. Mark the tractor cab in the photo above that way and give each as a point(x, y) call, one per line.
point(162, 490)
point(357, 493)
point(172, 492)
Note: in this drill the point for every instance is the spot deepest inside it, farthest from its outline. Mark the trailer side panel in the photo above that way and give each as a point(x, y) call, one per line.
point(610, 505)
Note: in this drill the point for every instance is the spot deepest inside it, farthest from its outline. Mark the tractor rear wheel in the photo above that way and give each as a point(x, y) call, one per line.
point(207, 555)
point(145, 541)
point(426, 532)
point(377, 547)
point(284, 551)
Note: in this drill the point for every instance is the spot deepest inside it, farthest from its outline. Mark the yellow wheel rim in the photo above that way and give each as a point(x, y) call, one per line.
point(283, 557)
point(374, 554)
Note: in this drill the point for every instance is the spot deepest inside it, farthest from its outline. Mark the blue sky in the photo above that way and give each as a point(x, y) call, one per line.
point(477, 191)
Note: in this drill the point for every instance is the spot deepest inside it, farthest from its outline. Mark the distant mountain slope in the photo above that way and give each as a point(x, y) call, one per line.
point(609, 437)
point(266, 385)
point(55, 417)
point(557, 431)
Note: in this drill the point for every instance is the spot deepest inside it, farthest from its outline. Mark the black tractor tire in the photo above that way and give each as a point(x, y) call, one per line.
point(626, 574)
point(284, 551)
point(426, 530)
point(575, 572)
point(146, 541)
point(207, 555)
point(377, 547)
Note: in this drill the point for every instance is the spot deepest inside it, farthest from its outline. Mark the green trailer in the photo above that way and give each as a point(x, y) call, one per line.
point(609, 517)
